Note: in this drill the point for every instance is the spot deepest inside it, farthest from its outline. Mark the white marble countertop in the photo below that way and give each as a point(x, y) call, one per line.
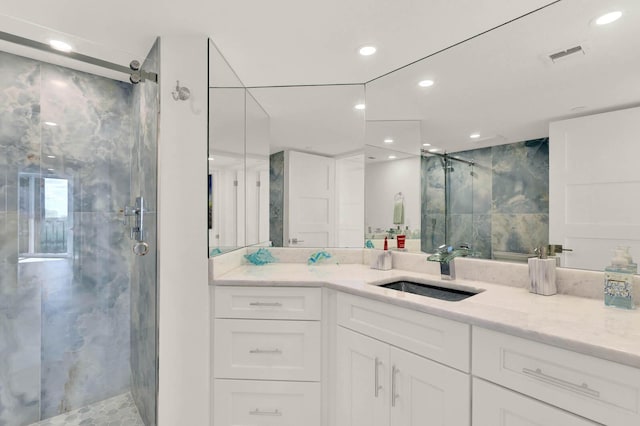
point(574, 323)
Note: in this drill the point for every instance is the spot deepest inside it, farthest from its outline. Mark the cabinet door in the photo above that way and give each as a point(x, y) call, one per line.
point(362, 380)
point(497, 406)
point(424, 392)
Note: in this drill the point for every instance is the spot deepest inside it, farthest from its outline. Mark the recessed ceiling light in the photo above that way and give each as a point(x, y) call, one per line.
point(210, 158)
point(609, 18)
point(51, 170)
point(474, 135)
point(426, 83)
point(388, 140)
point(60, 45)
point(367, 50)
point(360, 106)
point(434, 150)
point(50, 123)
point(51, 156)
point(426, 144)
point(392, 157)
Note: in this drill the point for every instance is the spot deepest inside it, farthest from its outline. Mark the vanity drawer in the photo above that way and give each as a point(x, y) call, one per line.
point(267, 350)
point(432, 337)
point(268, 302)
point(597, 389)
point(264, 403)
point(495, 405)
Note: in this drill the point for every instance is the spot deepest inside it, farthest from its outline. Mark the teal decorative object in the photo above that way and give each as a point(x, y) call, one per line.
point(369, 244)
point(260, 257)
point(215, 251)
point(318, 256)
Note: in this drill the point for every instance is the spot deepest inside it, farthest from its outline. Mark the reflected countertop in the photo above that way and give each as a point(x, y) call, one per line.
point(574, 323)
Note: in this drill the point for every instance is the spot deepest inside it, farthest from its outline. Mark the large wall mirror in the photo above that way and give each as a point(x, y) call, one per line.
point(286, 164)
point(226, 158)
point(520, 137)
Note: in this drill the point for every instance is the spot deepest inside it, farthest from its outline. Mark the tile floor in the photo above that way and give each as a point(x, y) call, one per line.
point(117, 411)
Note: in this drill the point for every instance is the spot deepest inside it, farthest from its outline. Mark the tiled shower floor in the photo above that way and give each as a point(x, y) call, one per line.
point(117, 411)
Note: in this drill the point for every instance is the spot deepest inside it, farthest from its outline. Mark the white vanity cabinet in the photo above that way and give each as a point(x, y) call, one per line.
point(380, 382)
point(494, 405)
point(599, 390)
point(267, 356)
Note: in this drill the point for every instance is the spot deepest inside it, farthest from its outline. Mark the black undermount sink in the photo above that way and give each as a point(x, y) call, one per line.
point(428, 290)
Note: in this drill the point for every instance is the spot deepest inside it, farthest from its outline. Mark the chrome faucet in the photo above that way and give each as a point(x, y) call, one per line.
point(445, 256)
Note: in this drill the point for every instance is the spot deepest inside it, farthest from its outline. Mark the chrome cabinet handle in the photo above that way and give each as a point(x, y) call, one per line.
point(275, 304)
point(583, 388)
point(258, 412)
point(377, 383)
point(394, 395)
point(265, 351)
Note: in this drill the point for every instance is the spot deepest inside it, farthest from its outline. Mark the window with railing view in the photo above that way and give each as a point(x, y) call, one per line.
point(44, 215)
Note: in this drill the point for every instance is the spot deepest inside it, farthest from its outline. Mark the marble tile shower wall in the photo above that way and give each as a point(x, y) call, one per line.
point(500, 205)
point(276, 198)
point(144, 357)
point(64, 320)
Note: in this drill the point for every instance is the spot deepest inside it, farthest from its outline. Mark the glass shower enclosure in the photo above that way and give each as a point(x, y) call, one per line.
point(78, 326)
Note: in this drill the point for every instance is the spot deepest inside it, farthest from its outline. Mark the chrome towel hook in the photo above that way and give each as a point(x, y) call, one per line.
point(181, 93)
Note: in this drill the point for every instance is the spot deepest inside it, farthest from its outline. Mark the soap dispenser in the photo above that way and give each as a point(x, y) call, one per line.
point(618, 281)
point(542, 273)
point(382, 259)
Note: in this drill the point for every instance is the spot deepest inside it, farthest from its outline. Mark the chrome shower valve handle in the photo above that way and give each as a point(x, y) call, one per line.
point(140, 248)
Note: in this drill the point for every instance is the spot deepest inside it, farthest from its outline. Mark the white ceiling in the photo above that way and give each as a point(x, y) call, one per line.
point(498, 84)
point(503, 86)
point(269, 42)
point(316, 119)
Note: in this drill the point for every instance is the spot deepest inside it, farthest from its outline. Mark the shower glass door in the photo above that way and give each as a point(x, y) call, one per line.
point(75, 343)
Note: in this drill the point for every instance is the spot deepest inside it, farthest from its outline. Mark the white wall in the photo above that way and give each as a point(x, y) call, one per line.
point(383, 181)
point(182, 240)
point(350, 201)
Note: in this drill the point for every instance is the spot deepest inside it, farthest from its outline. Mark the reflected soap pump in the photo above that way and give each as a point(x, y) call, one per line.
point(382, 259)
point(542, 273)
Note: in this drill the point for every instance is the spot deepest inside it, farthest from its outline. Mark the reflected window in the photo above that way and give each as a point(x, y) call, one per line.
point(44, 216)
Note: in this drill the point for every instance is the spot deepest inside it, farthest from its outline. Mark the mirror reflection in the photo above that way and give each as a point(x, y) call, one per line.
point(531, 113)
point(226, 158)
point(315, 138)
point(256, 173)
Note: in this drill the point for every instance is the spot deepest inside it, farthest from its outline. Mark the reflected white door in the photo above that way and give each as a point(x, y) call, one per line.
point(310, 202)
point(594, 182)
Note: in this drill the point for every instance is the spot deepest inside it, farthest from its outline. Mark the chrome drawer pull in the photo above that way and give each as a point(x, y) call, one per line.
point(265, 351)
point(583, 388)
point(394, 395)
point(258, 412)
point(272, 304)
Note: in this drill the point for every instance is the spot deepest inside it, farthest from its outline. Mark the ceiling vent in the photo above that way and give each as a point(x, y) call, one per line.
point(564, 54)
